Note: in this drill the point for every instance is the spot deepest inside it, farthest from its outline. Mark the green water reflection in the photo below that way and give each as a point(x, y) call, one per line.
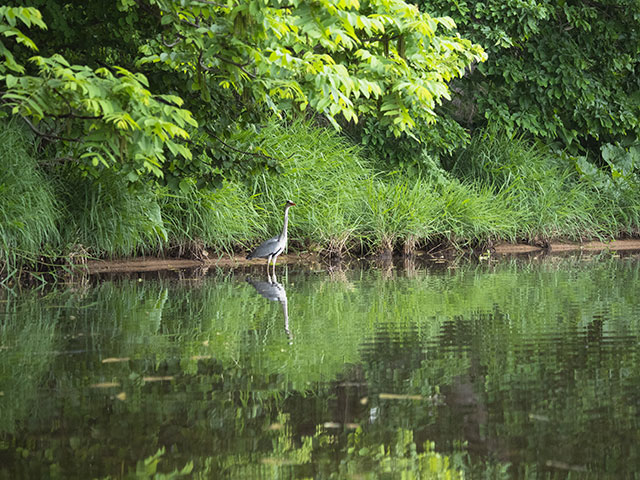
point(514, 369)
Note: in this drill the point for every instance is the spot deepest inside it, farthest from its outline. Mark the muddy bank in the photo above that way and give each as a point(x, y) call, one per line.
point(558, 247)
point(148, 264)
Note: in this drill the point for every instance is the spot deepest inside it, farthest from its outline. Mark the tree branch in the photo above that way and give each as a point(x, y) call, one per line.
point(225, 60)
point(215, 4)
point(80, 117)
point(191, 24)
point(171, 45)
point(71, 114)
point(48, 136)
point(166, 102)
point(237, 150)
point(231, 62)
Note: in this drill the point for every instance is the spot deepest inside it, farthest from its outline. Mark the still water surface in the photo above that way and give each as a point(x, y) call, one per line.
point(518, 369)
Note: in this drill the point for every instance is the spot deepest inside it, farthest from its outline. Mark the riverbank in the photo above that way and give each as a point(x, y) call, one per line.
point(150, 264)
point(499, 191)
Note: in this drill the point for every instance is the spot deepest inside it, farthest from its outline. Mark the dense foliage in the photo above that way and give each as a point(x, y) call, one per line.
point(378, 58)
point(346, 61)
point(566, 71)
point(104, 120)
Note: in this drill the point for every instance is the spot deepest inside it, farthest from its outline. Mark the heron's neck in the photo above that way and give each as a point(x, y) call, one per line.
point(286, 222)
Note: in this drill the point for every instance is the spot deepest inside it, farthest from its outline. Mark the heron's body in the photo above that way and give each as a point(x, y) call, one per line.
point(272, 290)
point(270, 249)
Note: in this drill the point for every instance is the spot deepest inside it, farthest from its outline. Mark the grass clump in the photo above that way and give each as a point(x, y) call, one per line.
point(615, 188)
point(543, 193)
point(28, 208)
point(398, 210)
point(472, 214)
point(323, 175)
point(108, 219)
point(222, 219)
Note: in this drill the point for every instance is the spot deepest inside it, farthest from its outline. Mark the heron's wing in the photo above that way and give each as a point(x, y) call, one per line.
point(266, 248)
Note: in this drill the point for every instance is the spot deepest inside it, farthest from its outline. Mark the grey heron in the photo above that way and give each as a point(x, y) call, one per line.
point(270, 249)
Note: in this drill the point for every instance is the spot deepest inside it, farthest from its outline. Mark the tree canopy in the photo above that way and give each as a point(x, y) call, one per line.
point(169, 89)
point(204, 68)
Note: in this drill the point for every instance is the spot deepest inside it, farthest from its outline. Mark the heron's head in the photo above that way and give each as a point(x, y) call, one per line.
point(289, 203)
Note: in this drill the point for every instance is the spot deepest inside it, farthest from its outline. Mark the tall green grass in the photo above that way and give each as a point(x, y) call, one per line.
point(398, 211)
point(472, 214)
point(28, 208)
point(108, 219)
point(543, 192)
point(323, 174)
point(222, 219)
point(344, 203)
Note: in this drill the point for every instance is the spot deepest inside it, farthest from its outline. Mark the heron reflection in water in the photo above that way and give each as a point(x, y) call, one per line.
point(272, 290)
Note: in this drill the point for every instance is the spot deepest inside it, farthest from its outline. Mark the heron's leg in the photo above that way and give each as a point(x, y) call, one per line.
point(268, 262)
point(274, 265)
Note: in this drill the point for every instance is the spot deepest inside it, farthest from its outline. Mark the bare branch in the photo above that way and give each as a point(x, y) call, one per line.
point(64, 99)
point(191, 24)
point(173, 44)
point(201, 63)
point(239, 65)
